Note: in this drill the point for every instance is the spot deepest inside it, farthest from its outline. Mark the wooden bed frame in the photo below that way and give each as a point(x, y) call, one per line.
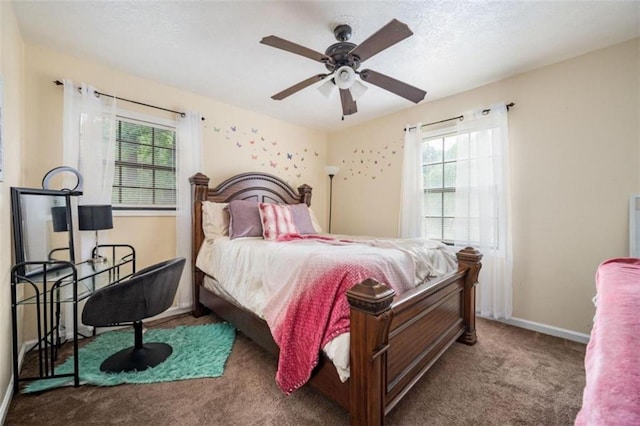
point(394, 339)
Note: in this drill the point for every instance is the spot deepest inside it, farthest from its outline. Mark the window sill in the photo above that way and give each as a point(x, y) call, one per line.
point(144, 213)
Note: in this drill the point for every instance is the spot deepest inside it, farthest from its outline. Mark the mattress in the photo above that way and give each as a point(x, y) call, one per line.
point(259, 274)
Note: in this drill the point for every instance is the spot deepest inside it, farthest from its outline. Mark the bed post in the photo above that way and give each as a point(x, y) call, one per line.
point(305, 194)
point(199, 186)
point(370, 322)
point(469, 259)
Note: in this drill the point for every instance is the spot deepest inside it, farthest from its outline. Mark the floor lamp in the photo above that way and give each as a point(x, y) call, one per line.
point(331, 171)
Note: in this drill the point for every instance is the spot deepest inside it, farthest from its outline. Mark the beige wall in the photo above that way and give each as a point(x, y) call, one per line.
point(13, 119)
point(234, 141)
point(574, 139)
point(258, 143)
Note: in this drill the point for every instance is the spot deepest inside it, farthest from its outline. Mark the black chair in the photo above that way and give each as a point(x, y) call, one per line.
point(146, 293)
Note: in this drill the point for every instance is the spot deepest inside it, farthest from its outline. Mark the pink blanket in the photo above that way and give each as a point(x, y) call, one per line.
point(612, 362)
point(306, 316)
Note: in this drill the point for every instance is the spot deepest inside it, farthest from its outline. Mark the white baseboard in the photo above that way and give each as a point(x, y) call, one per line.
point(174, 310)
point(8, 394)
point(548, 329)
point(186, 306)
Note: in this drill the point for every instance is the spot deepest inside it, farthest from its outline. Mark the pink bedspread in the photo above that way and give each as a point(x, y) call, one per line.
point(612, 362)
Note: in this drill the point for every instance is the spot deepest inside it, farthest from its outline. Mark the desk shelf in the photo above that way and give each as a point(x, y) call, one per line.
point(56, 284)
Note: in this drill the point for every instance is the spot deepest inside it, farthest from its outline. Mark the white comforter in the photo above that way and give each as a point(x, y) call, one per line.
point(252, 271)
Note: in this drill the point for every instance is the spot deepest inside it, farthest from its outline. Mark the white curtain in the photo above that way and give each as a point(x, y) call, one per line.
point(411, 186)
point(482, 200)
point(89, 126)
point(88, 139)
point(188, 163)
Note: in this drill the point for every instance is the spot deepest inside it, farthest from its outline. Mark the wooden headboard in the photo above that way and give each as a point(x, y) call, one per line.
point(256, 186)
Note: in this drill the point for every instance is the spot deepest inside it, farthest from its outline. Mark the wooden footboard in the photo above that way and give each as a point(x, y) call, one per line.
point(394, 343)
point(394, 339)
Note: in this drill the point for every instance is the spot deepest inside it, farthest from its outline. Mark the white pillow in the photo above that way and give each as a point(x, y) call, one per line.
point(314, 222)
point(215, 220)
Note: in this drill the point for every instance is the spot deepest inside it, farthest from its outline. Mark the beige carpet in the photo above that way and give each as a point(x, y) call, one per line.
point(510, 377)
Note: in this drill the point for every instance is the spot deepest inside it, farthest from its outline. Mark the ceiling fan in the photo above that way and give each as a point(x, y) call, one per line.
point(343, 59)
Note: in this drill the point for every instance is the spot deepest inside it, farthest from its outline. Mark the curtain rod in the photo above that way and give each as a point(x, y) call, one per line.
point(460, 117)
point(182, 114)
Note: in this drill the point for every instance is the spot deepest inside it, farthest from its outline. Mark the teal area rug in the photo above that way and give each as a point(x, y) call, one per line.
point(198, 351)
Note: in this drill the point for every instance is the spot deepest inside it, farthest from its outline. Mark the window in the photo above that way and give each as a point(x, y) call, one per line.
point(439, 182)
point(460, 190)
point(145, 166)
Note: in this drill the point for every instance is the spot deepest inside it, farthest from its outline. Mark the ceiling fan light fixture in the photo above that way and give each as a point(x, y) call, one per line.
point(343, 58)
point(327, 89)
point(357, 90)
point(344, 77)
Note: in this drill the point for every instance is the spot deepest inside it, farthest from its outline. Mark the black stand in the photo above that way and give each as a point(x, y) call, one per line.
point(330, 198)
point(139, 357)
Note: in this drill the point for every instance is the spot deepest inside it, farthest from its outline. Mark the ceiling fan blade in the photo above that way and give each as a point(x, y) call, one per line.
point(289, 46)
point(348, 104)
point(386, 36)
point(395, 86)
point(299, 86)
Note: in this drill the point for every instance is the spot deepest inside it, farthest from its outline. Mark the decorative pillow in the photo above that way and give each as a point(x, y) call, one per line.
point(302, 218)
point(244, 219)
point(314, 221)
point(215, 220)
point(277, 221)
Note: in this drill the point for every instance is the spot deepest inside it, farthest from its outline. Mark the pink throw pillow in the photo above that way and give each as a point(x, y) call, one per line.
point(277, 222)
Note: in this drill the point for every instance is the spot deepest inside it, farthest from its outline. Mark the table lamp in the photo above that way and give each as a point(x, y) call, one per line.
point(94, 217)
point(59, 218)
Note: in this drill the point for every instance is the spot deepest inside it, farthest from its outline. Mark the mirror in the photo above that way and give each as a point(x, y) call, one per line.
point(42, 227)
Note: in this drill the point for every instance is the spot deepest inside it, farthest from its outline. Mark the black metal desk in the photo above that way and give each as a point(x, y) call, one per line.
point(51, 286)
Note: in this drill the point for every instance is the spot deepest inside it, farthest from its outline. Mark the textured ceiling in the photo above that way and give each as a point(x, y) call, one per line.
point(212, 48)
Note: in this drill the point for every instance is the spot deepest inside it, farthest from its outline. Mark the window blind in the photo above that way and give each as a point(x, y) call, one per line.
point(145, 166)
